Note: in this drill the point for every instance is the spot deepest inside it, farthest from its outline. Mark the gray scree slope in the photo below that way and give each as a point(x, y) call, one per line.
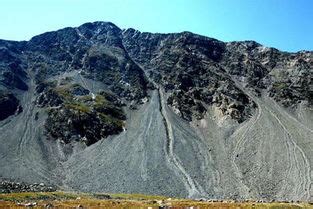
point(247, 136)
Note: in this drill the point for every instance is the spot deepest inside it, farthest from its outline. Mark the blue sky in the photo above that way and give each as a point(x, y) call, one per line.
point(284, 24)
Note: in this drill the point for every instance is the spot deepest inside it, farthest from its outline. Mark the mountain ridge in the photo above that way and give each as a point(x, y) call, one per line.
point(164, 33)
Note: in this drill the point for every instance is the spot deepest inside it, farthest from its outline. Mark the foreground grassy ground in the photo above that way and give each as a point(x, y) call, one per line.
point(119, 201)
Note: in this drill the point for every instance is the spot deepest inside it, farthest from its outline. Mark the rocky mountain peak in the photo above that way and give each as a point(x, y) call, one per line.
point(135, 110)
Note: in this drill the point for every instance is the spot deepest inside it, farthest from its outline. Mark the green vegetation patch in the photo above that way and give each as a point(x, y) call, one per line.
point(63, 199)
point(280, 85)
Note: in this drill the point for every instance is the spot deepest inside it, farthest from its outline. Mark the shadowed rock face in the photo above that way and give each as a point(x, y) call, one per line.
point(12, 74)
point(8, 105)
point(111, 110)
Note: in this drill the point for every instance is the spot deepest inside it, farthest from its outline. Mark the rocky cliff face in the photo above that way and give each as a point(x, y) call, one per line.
point(220, 120)
point(201, 71)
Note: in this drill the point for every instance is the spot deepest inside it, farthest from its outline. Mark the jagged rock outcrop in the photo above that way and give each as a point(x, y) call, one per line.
point(85, 119)
point(74, 115)
point(187, 66)
point(198, 70)
point(12, 68)
point(97, 108)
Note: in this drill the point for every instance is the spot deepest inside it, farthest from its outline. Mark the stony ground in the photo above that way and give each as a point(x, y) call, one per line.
point(7, 186)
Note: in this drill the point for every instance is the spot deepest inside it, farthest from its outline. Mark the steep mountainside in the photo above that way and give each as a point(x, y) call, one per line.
point(100, 109)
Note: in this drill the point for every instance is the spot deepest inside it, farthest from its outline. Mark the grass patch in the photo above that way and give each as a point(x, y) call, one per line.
point(280, 85)
point(119, 201)
point(138, 197)
point(64, 92)
point(78, 107)
point(100, 101)
point(110, 120)
point(31, 196)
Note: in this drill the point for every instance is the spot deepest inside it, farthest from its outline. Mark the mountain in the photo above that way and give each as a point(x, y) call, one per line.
point(101, 109)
